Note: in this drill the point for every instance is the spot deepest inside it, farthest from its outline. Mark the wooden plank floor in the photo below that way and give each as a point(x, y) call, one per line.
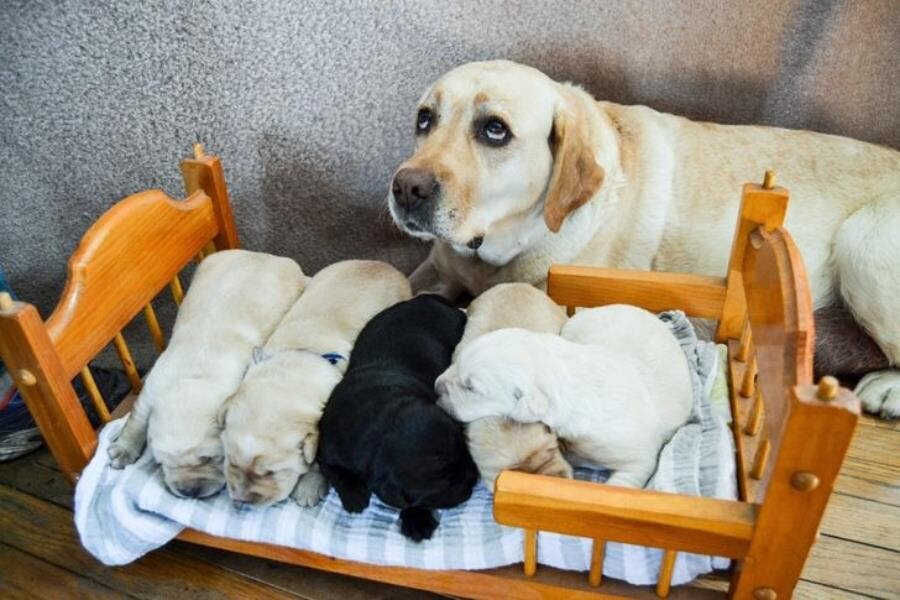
point(857, 555)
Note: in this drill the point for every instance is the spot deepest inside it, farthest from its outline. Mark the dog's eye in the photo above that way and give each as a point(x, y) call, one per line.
point(493, 132)
point(424, 120)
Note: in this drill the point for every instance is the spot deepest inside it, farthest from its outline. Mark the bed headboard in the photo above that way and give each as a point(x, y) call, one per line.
point(130, 254)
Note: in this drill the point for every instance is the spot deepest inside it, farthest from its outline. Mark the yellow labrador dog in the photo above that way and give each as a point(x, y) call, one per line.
point(514, 172)
point(235, 301)
point(498, 443)
point(271, 425)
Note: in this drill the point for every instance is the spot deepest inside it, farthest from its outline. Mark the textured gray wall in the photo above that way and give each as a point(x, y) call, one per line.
point(310, 104)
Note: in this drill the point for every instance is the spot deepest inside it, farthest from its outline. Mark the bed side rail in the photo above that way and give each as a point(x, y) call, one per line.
point(671, 522)
point(576, 286)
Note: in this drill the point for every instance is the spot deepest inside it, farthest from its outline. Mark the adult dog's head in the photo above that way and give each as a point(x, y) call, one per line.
point(504, 153)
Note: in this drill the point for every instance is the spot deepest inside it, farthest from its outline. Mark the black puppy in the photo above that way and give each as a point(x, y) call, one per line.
point(382, 430)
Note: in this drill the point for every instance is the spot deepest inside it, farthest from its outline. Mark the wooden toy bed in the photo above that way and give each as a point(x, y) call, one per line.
point(791, 436)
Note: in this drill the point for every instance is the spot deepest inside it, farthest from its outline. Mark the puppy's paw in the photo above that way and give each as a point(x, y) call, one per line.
point(122, 455)
point(310, 490)
point(417, 523)
point(880, 393)
point(354, 500)
point(558, 468)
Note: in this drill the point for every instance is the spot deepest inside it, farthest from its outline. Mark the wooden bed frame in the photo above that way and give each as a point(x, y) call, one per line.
point(791, 436)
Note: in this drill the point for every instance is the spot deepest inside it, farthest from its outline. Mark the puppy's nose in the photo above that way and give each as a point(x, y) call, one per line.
point(412, 187)
point(190, 490)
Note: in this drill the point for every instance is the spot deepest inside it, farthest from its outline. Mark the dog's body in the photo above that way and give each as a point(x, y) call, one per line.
point(629, 187)
point(497, 443)
point(511, 305)
point(234, 302)
point(271, 425)
point(381, 430)
point(610, 406)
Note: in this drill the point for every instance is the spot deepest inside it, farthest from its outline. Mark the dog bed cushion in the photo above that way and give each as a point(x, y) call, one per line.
point(122, 515)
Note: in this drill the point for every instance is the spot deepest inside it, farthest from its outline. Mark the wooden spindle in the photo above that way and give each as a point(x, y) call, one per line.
point(748, 382)
point(177, 290)
point(760, 460)
point(94, 392)
point(198, 150)
point(595, 577)
point(6, 301)
point(570, 310)
point(159, 339)
point(530, 552)
point(754, 419)
point(768, 180)
point(744, 347)
point(127, 362)
point(665, 573)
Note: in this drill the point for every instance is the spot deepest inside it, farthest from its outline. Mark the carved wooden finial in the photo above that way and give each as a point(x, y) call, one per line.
point(828, 388)
point(768, 180)
point(198, 151)
point(6, 301)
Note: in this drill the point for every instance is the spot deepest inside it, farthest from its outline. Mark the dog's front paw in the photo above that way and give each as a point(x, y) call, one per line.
point(122, 455)
point(879, 392)
point(417, 523)
point(310, 490)
point(354, 500)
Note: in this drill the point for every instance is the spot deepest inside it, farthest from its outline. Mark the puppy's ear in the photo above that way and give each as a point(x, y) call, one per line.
point(309, 446)
point(528, 405)
point(576, 175)
point(260, 355)
point(221, 415)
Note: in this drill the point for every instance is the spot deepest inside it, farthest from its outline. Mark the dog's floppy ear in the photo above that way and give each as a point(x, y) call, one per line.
point(528, 405)
point(221, 414)
point(576, 176)
point(309, 446)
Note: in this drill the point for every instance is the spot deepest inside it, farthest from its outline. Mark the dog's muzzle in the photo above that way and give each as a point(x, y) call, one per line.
point(414, 193)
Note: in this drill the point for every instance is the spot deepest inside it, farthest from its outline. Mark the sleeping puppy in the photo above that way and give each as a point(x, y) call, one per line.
point(270, 432)
point(381, 430)
point(498, 443)
point(235, 300)
point(613, 407)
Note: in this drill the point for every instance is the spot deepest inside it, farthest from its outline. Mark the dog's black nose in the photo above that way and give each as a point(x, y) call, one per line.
point(190, 490)
point(412, 187)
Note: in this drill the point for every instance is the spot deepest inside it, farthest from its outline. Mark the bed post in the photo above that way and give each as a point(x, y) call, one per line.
point(760, 205)
point(817, 434)
point(30, 357)
point(204, 172)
